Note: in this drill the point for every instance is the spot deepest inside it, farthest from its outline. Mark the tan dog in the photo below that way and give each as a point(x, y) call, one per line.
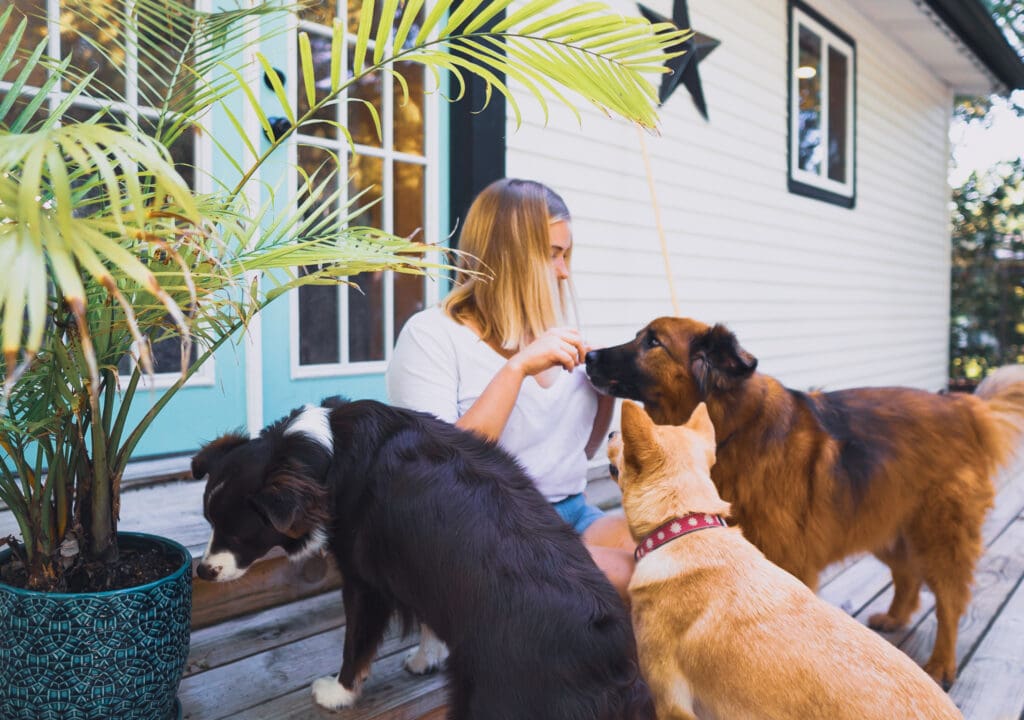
point(721, 631)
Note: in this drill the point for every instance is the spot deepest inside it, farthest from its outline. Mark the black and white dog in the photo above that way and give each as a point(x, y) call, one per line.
point(436, 524)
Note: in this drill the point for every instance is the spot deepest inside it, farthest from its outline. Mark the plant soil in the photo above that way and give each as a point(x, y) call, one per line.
point(133, 567)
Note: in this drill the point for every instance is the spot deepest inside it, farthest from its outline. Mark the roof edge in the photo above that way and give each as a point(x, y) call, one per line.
point(978, 30)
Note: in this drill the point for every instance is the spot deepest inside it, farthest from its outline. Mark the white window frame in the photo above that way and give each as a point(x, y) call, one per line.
point(205, 375)
point(430, 160)
point(801, 181)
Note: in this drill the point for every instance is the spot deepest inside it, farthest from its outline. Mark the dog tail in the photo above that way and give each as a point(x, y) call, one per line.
point(1003, 393)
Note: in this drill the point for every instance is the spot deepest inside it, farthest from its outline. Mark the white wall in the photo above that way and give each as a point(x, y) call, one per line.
point(824, 296)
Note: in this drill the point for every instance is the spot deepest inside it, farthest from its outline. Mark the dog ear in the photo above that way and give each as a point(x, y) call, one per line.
point(292, 503)
point(700, 423)
point(213, 451)
point(637, 435)
point(718, 363)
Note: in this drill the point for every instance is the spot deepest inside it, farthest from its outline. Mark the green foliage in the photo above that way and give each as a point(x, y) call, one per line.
point(987, 308)
point(104, 247)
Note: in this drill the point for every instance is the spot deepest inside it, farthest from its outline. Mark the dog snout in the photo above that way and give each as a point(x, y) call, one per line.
point(207, 572)
point(592, 359)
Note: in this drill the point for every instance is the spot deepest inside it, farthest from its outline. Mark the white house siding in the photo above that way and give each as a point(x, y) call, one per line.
point(824, 296)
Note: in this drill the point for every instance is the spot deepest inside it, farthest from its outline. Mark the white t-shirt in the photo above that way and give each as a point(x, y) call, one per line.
point(442, 367)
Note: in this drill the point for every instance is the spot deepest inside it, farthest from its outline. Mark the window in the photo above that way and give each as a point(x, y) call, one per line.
point(822, 67)
point(72, 35)
point(339, 329)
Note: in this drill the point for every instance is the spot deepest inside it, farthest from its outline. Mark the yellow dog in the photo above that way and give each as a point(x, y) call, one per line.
point(722, 632)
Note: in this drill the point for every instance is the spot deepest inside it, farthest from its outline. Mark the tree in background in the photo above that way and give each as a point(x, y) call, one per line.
point(987, 303)
point(987, 308)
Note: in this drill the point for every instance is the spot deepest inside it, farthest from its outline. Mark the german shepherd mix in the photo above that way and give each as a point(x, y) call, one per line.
point(432, 522)
point(721, 631)
point(814, 477)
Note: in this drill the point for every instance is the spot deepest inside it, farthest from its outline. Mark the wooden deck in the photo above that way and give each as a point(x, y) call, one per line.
point(259, 642)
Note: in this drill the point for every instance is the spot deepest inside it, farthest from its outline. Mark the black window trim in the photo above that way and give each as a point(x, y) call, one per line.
point(797, 187)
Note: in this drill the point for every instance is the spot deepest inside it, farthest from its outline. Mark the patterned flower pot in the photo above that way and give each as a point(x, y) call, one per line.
point(115, 655)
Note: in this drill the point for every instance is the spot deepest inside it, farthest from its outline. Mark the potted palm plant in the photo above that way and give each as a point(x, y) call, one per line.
point(105, 250)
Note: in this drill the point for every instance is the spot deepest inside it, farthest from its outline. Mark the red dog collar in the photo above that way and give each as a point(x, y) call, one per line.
point(677, 527)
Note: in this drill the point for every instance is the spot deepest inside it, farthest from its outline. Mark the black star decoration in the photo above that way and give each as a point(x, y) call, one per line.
point(684, 67)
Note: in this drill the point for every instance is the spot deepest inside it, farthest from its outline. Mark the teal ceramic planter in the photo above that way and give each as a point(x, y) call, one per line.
point(116, 655)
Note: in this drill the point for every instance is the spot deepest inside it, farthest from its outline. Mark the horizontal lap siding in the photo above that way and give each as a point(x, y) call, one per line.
point(824, 296)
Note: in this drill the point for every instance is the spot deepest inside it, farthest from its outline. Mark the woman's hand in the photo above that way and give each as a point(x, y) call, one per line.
point(557, 346)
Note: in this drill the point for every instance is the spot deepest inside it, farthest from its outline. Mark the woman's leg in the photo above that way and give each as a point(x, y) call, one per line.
point(611, 545)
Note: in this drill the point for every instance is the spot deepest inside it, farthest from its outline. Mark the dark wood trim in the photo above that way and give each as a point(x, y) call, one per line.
point(974, 25)
point(476, 144)
point(818, 17)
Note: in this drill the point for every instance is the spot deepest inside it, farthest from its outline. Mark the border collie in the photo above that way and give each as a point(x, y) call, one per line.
point(433, 523)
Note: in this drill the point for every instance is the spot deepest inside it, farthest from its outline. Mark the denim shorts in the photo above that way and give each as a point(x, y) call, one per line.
point(575, 511)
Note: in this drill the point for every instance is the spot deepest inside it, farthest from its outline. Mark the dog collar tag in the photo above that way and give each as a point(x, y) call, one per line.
point(677, 527)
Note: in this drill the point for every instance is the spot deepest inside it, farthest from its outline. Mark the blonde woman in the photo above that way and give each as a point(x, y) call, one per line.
point(496, 359)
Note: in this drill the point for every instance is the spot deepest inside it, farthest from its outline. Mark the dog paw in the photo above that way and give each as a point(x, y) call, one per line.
point(941, 673)
point(885, 622)
point(331, 694)
point(426, 658)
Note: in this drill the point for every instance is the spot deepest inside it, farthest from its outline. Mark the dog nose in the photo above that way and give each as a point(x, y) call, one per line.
point(591, 359)
point(613, 471)
point(207, 572)
point(612, 434)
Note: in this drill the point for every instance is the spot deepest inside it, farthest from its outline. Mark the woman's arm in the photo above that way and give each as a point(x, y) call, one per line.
point(489, 414)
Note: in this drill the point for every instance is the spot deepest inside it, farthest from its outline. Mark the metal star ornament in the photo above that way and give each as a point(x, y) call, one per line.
point(683, 67)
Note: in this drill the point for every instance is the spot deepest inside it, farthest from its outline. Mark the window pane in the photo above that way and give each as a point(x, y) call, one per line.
point(99, 25)
point(160, 77)
point(320, 46)
point(318, 324)
point(410, 194)
point(409, 126)
point(414, 28)
point(167, 354)
point(360, 120)
point(808, 72)
point(166, 351)
point(366, 318)
point(34, 33)
point(183, 150)
point(365, 172)
point(838, 80)
point(316, 163)
point(17, 108)
point(319, 334)
point(355, 8)
point(322, 12)
point(366, 308)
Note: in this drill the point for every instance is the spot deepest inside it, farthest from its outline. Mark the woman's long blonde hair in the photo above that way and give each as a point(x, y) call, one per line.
point(506, 237)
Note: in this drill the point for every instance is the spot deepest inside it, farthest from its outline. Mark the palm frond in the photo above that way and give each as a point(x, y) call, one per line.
point(552, 48)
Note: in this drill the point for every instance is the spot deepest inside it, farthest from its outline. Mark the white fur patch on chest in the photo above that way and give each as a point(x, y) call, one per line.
point(316, 542)
point(315, 423)
point(681, 695)
point(658, 566)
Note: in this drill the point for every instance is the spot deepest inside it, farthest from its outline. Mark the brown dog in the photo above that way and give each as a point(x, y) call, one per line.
point(814, 477)
point(721, 631)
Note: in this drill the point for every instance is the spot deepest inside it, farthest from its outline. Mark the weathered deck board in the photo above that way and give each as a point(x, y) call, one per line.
point(991, 686)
